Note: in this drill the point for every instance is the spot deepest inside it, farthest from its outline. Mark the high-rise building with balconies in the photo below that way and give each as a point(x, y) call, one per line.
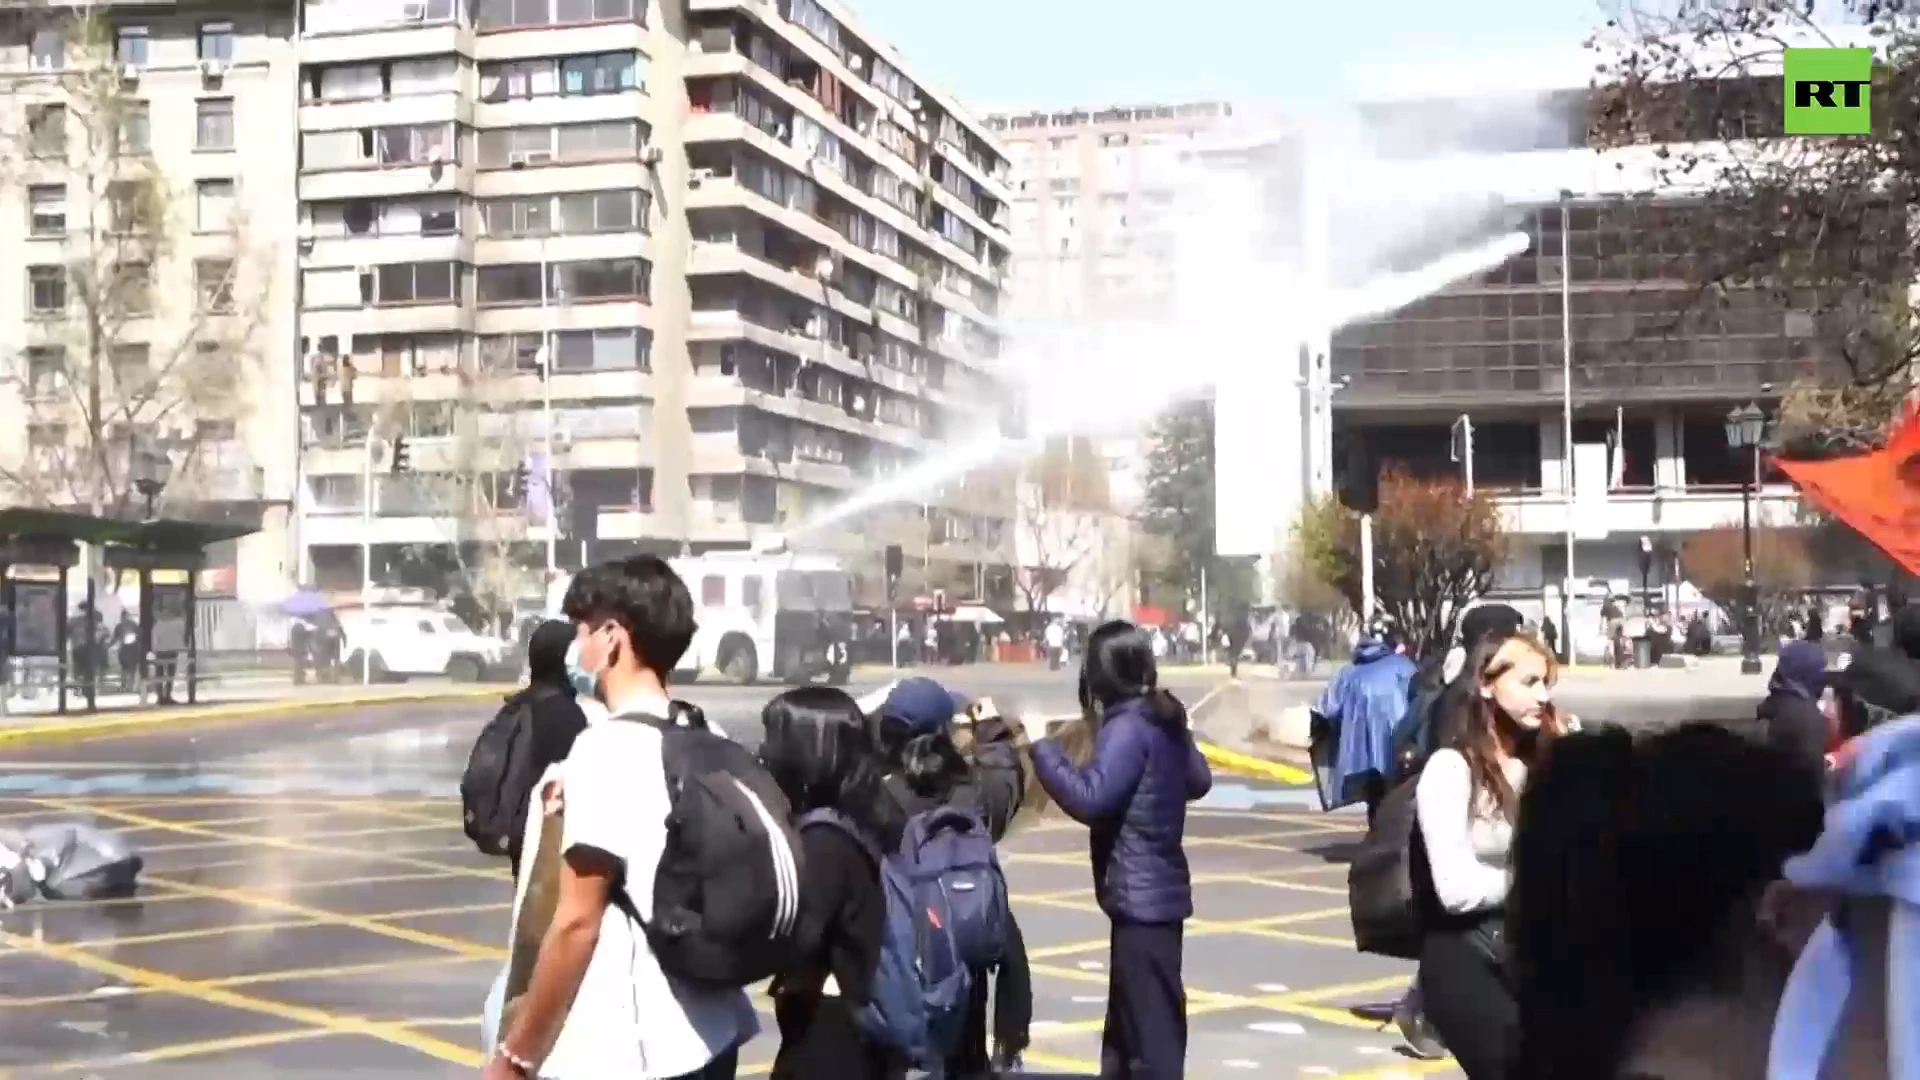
point(146, 301)
point(715, 265)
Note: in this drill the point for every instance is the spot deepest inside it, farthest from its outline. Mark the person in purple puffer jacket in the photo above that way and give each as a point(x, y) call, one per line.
point(1133, 799)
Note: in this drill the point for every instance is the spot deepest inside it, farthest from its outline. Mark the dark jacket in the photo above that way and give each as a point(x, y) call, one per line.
point(557, 719)
point(1133, 798)
point(1793, 724)
point(991, 787)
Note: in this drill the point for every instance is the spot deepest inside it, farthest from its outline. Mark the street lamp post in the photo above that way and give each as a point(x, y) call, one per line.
point(1746, 426)
point(1566, 416)
point(151, 469)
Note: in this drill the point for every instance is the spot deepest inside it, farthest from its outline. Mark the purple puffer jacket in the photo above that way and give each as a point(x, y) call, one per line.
point(1133, 798)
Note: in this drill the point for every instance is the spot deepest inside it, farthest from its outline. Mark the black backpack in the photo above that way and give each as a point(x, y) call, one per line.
point(1390, 895)
point(726, 897)
point(498, 783)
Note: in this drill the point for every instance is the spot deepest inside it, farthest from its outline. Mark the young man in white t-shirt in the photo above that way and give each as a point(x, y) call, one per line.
point(598, 1004)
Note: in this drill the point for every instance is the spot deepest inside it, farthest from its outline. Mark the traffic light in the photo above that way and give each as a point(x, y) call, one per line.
point(1359, 479)
point(895, 562)
point(521, 478)
point(402, 458)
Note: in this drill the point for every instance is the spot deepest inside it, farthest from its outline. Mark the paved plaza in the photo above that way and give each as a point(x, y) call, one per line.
point(310, 904)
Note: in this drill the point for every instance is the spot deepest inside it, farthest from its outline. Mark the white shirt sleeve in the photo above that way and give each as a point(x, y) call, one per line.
point(1443, 802)
point(616, 802)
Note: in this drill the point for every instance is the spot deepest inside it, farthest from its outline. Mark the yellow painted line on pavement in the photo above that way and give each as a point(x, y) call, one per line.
point(1060, 1063)
point(365, 924)
point(298, 1014)
point(138, 721)
point(279, 842)
point(180, 1051)
point(1259, 768)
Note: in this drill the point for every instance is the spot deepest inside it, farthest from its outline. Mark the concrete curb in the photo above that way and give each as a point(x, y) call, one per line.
point(62, 730)
point(1256, 767)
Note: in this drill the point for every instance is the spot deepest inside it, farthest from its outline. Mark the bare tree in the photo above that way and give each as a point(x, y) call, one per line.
point(1062, 502)
point(122, 355)
point(1821, 227)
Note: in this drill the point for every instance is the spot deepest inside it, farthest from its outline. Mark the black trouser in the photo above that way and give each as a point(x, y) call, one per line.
point(722, 1067)
point(1467, 1002)
point(1146, 1032)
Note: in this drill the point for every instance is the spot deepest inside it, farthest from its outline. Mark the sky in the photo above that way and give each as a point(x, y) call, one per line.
point(1000, 55)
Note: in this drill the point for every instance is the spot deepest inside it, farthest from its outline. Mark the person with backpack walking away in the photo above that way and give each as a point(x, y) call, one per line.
point(818, 749)
point(1133, 798)
point(534, 730)
point(1363, 704)
point(679, 882)
point(1466, 800)
point(927, 774)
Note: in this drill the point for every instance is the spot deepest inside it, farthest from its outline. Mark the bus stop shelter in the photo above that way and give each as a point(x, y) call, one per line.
point(37, 549)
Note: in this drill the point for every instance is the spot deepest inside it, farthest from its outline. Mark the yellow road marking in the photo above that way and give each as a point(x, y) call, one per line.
point(339, 918)
point(297, 1014)
point(199, 1048)
point(1404, 1068)
point(280, 843)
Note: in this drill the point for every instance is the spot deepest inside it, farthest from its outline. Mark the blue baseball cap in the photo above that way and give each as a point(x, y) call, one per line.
point(922, 705)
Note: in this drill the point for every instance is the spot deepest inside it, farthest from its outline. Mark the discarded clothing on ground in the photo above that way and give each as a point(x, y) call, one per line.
point(65, 861)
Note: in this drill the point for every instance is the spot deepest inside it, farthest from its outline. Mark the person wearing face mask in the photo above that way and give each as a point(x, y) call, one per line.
point(598, 1001)
point(1466, 801)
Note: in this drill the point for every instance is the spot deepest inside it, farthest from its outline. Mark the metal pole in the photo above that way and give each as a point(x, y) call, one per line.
point(546, 412)
point(1366, 572)
point(1566, 417)
point(366, 557)
point(1750, 619)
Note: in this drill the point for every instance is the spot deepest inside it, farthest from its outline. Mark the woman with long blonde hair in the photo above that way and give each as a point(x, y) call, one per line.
point(1467, 801)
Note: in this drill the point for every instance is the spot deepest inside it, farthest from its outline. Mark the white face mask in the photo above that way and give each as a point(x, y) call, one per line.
point(585, 683)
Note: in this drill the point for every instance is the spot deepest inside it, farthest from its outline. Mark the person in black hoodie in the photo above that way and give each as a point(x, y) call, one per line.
point(1790, 717)
point(927, 770)
point(557, 718)
point(820, 753)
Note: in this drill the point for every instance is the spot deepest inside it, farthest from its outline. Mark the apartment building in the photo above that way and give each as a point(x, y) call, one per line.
point(1093, 194)
point(720, 264)
point(146, 301)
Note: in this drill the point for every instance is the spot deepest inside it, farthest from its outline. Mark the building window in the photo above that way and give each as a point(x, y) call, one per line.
point(130, 46)
point(216, 42)
point(47, 290)
point(214, 206)
point(47, 131)
point(601, 279)
point(133, 288)
point(49, 50)
point(607, 140)
point(213, 279)
point(620, 348)
point(514, 283)
point(46, 370)
point(412, 283)
point(213, 125)
point(607, 73)
point(132, 364)
point(136, 129)
point(47, 215)
point(514, 14)
point(600, 211)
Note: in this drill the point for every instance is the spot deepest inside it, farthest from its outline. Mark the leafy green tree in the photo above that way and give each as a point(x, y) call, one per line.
point(1178, 509)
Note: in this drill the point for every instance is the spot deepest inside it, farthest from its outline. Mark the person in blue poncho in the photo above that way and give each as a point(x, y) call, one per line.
point(1363, 702)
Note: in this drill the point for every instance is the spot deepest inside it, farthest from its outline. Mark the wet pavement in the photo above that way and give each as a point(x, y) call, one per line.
point(310, 904)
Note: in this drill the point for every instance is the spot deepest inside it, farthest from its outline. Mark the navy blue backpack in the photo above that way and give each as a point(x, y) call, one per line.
point(946, 919)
